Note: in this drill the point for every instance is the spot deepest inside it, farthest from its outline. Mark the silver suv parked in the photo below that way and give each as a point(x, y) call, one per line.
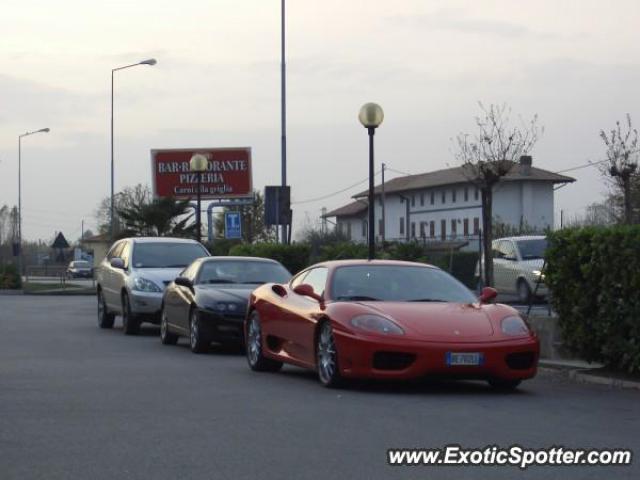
point(132, 277)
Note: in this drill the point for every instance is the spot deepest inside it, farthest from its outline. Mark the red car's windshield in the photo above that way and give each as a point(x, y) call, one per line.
point(397, 283)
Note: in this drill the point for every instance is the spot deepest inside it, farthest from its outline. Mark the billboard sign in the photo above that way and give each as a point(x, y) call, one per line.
point(228, 174)
point(232, 225)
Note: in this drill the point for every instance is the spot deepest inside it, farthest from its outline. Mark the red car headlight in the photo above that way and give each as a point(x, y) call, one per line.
point(376, 324)
point(514, 326)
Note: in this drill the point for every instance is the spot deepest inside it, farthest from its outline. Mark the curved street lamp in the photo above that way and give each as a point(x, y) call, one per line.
point(151, 62)
point(371, 116)
point(198, 164)
point(26, 134)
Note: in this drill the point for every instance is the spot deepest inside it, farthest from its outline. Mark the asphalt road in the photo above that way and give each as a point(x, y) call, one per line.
point(77, 402)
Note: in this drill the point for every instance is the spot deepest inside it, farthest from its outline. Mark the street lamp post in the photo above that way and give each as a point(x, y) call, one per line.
point(150, 61)
point(198, 164)
point(42, 130)
point(371, 116)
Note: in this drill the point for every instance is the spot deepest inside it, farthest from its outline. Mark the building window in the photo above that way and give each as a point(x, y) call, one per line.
point(401, 225)
point(422, 199)
point(466, 194)
point(453, 195)
point(476, 226)
point(413, 200)
point(475, 194)
point(454, 228)
point(465, 226)
point(413, 229)
point(444, 196)
point(423, 229)
point(443, 229)
point(433, 198)
point(380, 200)
point(349, 230)
point(432, 229)
point(380, 227)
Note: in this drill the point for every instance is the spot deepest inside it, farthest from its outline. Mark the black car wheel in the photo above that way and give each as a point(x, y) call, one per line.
point(257, 361)
point(197, 336)
point(105, 319)
point(130, 324)
point(166, 337)
point(327, 357)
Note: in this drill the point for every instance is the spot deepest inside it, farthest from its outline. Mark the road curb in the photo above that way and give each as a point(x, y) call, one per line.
point(11, 292)
point(585, 375)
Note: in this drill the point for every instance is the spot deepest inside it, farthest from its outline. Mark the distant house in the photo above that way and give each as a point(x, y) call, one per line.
point(445, 205)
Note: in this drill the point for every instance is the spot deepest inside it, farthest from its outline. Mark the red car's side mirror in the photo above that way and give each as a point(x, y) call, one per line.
point(488, 294)
point(307, 290)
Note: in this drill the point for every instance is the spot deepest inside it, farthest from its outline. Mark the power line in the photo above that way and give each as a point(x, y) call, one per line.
point(329, 195)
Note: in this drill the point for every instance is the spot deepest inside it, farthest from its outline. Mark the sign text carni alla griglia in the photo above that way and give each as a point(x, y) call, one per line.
point(228, 174)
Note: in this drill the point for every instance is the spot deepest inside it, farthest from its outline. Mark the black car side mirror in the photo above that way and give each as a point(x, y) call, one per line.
point(184, 282)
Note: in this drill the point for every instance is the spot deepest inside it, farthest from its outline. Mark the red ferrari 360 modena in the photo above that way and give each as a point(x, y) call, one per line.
point(387, 320)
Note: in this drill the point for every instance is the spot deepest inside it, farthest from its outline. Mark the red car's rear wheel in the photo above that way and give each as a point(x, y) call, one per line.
point(257, 361)
point(327, 357)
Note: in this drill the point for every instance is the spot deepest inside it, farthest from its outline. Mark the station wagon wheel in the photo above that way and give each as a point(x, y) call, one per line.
point(327, 357)
point(130, 324)
point(197, 337)
point(166, 337)
point(105, 319)
point(524, 292)
point(257, 361)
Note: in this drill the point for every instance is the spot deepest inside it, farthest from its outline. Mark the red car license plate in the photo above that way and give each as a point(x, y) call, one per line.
point(464, 359)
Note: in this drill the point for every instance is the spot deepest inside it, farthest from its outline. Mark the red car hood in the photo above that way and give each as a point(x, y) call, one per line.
point(437, 321)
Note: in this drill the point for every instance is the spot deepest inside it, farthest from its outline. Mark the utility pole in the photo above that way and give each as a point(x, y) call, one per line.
point(283, 107)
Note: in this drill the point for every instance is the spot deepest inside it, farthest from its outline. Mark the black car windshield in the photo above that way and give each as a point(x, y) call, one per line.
point(397, 283)
point(241, 271)
point(166, 254)
point(532, 249)
point(79, 263)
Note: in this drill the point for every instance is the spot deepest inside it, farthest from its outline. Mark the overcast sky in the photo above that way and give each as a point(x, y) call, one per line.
point(216, 84)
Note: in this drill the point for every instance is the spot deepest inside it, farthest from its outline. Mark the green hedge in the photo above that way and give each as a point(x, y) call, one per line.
point(9, 278)
point(300, 255)
point(594, 277)
point(295, 257)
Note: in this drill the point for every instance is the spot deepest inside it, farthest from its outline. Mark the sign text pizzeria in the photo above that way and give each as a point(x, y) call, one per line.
point(228, 173)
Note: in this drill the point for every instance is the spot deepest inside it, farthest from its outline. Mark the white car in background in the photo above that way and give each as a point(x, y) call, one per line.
point(518, 264)
point(132, 277)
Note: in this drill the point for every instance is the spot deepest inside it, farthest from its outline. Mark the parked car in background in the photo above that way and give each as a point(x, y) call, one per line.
point(208, 301)
point(132, 277)
point(387, 320)
point(79, 269)
point(518, 264)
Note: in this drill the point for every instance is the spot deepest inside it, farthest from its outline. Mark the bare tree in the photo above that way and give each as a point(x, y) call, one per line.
point(489, 155)
point(622, 153)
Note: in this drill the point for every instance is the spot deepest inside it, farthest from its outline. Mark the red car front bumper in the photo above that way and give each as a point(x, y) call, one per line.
point(393, 358)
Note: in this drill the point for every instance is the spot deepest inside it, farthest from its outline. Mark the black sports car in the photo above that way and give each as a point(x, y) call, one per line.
point(208, 301)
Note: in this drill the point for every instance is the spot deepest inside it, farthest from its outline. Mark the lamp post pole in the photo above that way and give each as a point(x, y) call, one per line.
point(199, 163)
point(198, 212)
point(371, 116)
point(150, 61)
point(26, 134)
point(372, 205)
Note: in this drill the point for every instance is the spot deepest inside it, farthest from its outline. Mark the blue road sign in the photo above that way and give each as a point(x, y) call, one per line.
point(232, 225)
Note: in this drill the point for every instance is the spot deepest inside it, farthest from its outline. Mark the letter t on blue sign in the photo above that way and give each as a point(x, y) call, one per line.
point(232, 225)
